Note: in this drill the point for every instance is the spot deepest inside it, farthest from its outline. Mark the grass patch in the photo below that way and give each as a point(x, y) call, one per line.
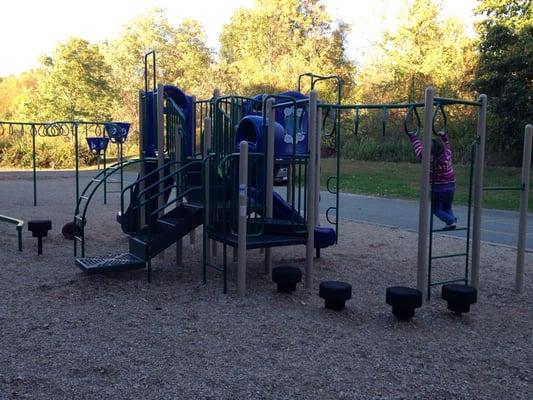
point(401, 180)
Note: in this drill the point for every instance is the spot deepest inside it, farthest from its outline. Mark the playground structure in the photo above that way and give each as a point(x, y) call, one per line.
point(211, 163)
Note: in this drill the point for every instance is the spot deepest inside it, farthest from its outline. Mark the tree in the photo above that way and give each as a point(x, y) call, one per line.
point(423, 50)
point(265, 48)
point(11, 90)
point(183, 58)
point(505, 73)
point(72, 84)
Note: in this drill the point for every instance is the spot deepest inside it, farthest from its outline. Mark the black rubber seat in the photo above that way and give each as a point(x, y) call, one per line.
point(459, 297)
point(286, 278)
point(335, 294)
point(39, 229)
point(404, 301)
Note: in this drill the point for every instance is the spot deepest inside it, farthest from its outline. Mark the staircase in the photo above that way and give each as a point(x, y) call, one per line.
point(147, 244)
point(162, 229)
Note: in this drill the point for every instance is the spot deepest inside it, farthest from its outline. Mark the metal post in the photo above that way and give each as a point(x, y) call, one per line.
point(178, 151)
point(289, 183)
point(478, 190)
point(311, 144)
point(77, 161)
point(179, 253)
point(207, 145)
point(160, 147)
point(33, 134)
point(424, 206)
point(243, 200)
point(269, 184)
point(121, 169)
point(105, 180)
point(19, 235)
point(142, 167)
point(522, 222)
point(318, 149)
point(214, 244)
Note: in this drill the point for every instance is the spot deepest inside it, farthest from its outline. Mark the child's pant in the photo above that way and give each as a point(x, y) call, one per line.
point(442, 206)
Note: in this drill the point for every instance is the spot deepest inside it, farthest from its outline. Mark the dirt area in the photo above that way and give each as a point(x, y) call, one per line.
point(67, 335)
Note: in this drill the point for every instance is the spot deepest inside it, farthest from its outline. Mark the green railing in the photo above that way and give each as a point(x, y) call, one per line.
point(229, 110)
point(54, 129)
point(87, 194)
point(19, 224)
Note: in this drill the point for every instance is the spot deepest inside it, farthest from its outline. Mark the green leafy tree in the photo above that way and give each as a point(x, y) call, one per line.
point(266, 47)
point(423, 50)
point(11, 91)
point(505, 73)
point(72, 84)
point(183, 58)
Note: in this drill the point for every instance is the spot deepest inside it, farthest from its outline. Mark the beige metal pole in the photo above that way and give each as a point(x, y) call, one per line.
point(192, 235)
point(160, 146)
point(214, 244)
point(142, 168)
point(424, 205)
point(318, 152)
point(243, 201)
point(478, 191)
point(522, 222)
point(207, 145)
point(311, 143)
point(269, 184)
point(178, 150)
point(289, 183)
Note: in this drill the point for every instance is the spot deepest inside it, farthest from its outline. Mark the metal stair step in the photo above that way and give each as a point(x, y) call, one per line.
point(113, 262)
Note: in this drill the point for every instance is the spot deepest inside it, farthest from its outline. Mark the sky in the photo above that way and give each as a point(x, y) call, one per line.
point(31, 28)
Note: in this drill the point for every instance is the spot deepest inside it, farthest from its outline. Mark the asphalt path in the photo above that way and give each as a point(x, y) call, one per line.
point(497, 226)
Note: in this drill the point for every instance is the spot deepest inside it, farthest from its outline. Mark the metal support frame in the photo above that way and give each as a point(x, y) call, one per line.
point(424, 209)
point(207, 146)
point(243, 213)
point(311, 188)
point(478, 191)
point(269, 184)
point(142, 168)
point(522, 222)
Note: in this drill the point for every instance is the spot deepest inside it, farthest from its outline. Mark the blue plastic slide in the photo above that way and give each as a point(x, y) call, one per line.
point(281, 209)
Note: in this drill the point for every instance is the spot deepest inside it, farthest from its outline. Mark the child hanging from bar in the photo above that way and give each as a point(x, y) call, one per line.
point(442, 176)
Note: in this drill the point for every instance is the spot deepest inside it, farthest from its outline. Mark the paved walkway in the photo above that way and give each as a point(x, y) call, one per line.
point(499, 227)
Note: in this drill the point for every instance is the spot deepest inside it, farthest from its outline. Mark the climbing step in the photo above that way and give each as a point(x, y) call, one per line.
point(114, 262)
point(168, 229)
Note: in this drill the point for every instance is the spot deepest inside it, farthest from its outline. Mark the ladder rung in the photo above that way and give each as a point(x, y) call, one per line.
point(448, 281)
point(78, 217)
point(96, 180)
point(450, 230)
point(84, 197)
point(78, 238)
point(521, 187)
point(220, 269)
point(449, 256)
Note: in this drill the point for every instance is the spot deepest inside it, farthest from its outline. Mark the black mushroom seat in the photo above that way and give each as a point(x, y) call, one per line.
point(287, 278)
point(335, 294)
point(404, 301)
point(39, 229)
point(459, 297)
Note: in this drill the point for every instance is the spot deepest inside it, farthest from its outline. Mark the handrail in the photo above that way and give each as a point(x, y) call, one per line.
point(143, 200)
point(18, 225)
point(95, 184)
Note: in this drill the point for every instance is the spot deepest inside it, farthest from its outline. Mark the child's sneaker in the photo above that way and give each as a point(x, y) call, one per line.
point(450, 227)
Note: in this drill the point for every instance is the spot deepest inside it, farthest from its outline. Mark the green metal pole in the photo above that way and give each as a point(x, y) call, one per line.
point(105, 180)
point(76, 160)
point(33, 133)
